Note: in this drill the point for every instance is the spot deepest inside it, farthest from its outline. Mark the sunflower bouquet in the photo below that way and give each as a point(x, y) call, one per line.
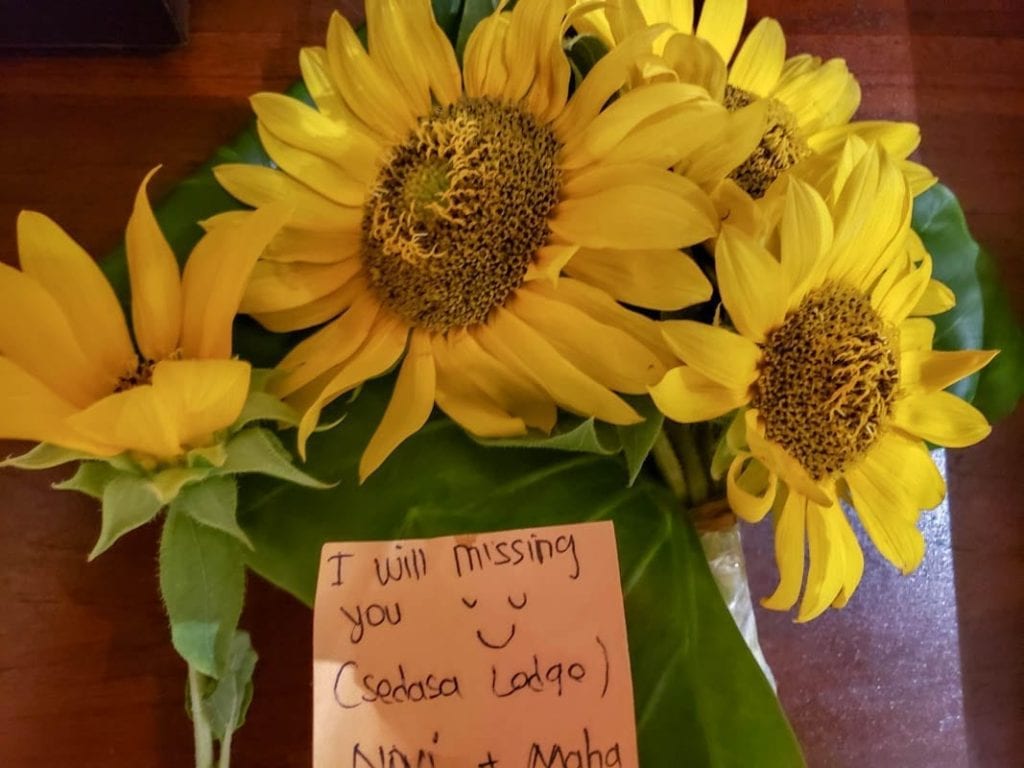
point(499, 264)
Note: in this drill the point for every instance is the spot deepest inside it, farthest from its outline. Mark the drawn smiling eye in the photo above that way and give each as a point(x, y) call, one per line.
point(515, 604)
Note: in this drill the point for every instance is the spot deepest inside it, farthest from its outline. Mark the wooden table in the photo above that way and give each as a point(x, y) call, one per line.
point(923, 671)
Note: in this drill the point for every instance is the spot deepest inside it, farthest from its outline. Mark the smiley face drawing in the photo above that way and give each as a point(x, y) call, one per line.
point(515, 604)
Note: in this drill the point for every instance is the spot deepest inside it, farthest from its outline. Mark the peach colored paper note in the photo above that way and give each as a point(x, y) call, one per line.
point(498, 650)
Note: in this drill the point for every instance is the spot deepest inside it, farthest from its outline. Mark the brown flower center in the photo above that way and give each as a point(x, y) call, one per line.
point(828, 378)
point(459, 211)
point(141, 374)
point(781, 147)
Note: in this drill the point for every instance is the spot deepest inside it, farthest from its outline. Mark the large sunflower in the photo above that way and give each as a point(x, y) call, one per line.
point(810, 103)
point(837, 383)
point(70, 374)
point(436, 210)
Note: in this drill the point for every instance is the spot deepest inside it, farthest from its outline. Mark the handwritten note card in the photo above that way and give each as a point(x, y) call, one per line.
point(499, 650)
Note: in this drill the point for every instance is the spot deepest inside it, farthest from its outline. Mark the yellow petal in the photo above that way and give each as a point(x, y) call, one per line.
point(790, 532)
point(155, 279)
point(750, 487)
point(696, 61)
point(607, 354)
point(940, 418)
point(275, 286)
point(344, 143)
point(686, 396)
point(751, 283)
point(827, 552)
point(332, 345)
point(901, 461)
point(673, 136)
point(317, 77)
point(314, 247)
point(409, 408)
point(737, 139)
point(717, 353)
point(655, 279)
point(885, 512)
point(899, 139)
point(509, 338)
point(367, 90)
point(853, 558)
point(257, 186)
point(466, 403)
point(405, 41)
point(382, 349)
point(549, 262)
point(319, 174)
point(805, 235)
point(896, 303)
point(916, 334)
point(759, 63)
point(313, 314)
point(936, 299)
point(202, 396)
point(605, 80)
point(134, 420)
point(507, 381)
point(603, 308)
point(71, 277)
point(932, 370)
point(484, 68)
point(29, 410)
point(215, 278)
point(618, 121)
point(789, 470)
point(37, 336)
point(647, 208)
point(721, 22)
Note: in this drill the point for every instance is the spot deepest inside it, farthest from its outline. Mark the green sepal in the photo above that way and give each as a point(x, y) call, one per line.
point(214, 503)
point(261, 405)
point(91, 478)
point(225, 702)
point(208, 457)
point(168, 483)
point(259, 451)
point(44, 456)
point(982, 317)
point(202, 582)
point(129, 502)
point(578, 435)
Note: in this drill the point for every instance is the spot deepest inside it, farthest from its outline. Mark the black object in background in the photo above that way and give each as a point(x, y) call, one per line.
point(55, 25)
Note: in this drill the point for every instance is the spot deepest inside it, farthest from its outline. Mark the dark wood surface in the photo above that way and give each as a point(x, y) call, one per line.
point(920, 671)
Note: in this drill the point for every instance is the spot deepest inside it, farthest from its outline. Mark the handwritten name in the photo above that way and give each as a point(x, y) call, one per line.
point(586, 755)
point(353, 689)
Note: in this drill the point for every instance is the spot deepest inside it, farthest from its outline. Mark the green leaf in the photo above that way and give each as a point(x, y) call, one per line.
point(257, 450)
point(1001, 383)
point(44, 456)
point(225, 702)
point(129, 502)
point(202, 581)
point(91, 478)
point(263, 406)
point(584, 51)
point(473, 12)
point(982, 318)
point(214, 502)
point(638, 439)
point(448, 13)
point(700, 696)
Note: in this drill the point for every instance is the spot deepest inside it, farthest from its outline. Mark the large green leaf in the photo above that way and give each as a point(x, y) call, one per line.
point(701, 699)
point(982, 317)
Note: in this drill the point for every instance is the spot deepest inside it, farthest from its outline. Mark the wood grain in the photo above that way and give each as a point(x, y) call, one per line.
point(925, 671)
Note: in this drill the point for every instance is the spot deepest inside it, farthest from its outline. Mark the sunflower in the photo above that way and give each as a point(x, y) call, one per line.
point(479, 227)
point(70, 374)
point(810, 103)
point(837, 384)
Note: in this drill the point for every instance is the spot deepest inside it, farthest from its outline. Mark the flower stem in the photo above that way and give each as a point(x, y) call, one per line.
point(693, 463)
point(200, 728)
point(668, 463)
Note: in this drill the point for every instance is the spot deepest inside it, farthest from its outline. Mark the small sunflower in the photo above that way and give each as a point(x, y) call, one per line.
point(837, 384)
point(810, 103)
point(437, 210)
point(70, 375)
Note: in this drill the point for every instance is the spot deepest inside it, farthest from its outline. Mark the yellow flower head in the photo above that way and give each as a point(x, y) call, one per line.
point(836, 380)
point(477, 225)
point(70, 374)
point(810, 103)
